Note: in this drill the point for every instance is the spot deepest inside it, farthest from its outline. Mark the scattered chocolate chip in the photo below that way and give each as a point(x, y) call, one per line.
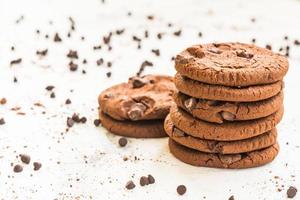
point(144, 181)
point(122, 142)
point(100, 61)
point(136, 111)
point(15, 80)
point(253, 40)
point(84, 61)
point(17, 61)
point(181, 189)
point(42, 52)
point(138, 82)
point(37, 166)
point(2, 121)
point(52, 95)
point(151, 179)
point(135, 38)
point(150, 17)
point(18, 168)
point(76, 118)
point(50, 87)
point(244, 54)
point(159, 35)
point(57, 38)
point(130, 185)
point(120, 31)
point(170, 24)
point(253, 20)
point(72, 66)
point(38, 31)
point(97, 47)
point(143, 66)
point(297, 42)
point(286, 37)
point(12, 48)
point(68, 101)
point(72, 54)
point(129, 14)
point(70, 122)
point(268, 47)
point(97, 122)
point(25, 158)
point(291, 192)
point(3, 101)
point(108, 74)
point(109, 64)
point(156, 52)
point(200, 34)
point(231, 197)
point(146, 34)
point(107, 39)
point(46, 36)
point(177, 33)
point(83, 120)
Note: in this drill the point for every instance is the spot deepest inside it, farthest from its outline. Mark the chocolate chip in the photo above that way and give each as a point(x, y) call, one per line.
point(150, 17)
point(177, 33)
point(137, 39)
point(76, 118)
point(37, 166)
point(68, 101)
point(159, 35)
point(52, 95)
point(50, 87)
point(177, 132)
point(120, 31)
point(181, 189)
point(228, 116)
point(190, 104)
point(2, 121)
point(297, 42)
point(97, 122)
point(136, 111)
point(3, 101)
point(156, 52)
point(25, 158)
point(268, 47)
point(42, 52)
point(57, 38)
point(138, 82)
point(200, 34)
point(108, 74)
point(70, 122)
point(291, 192)
point(100, 61)
point(130, 185)
point(196, 51)
point(244, 54)
point(72, 66)
point(122, 142)
point(83, 120)
point(231, 197)
point(72, 54)
point(151, 179)
point(17, 61)
point(18, 168)
point(144, 181)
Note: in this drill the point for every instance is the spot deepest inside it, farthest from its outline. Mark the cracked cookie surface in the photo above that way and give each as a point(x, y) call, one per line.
point(138, 129)
point(231, 64)
point(230, 161)
point(228, 131)
point(142, 98)
point(222, 111)
point(223, 147)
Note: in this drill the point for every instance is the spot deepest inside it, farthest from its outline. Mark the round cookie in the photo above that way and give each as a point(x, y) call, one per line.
point(230, 161)
point(142, 98)
point(231, 64)
point(222, 111)
point(223, 132)
point(140, 129)
point(223, 147)
point(223, 93)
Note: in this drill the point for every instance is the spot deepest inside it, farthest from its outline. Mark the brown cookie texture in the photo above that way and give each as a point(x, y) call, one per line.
point(228, 131)
point(224, 93)
point(231, 161)
point(223, 147)
point(222, 111)
point(231, 64)
point(140, 129)
point(142, 98)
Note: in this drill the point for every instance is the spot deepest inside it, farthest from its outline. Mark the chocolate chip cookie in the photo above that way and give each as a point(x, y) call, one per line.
point(232, 161)
point(231, 64)
point(224, 93)
point(222, 111)
point(222, 147)
point(142, 98)
point(136, 129)
point(228, 131)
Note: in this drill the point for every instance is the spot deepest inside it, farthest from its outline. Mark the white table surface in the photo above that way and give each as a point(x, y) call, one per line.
point(104, 175)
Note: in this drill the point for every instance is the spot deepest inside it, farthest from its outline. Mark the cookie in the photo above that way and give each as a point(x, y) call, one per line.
point(231, 161)
point(223, 147)
point(222, 111)
point(223, 93)
point(223, 132)
point(140, 129)
point(142, 98)
point(231, 64)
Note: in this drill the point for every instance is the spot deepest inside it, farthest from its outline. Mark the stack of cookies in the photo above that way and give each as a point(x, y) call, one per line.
point(229, 101)
point(137, 108)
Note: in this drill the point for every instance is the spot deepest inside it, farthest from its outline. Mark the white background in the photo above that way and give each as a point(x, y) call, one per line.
point(105, 173)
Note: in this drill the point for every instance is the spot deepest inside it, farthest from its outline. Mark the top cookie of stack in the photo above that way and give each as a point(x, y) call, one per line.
point(230, 93)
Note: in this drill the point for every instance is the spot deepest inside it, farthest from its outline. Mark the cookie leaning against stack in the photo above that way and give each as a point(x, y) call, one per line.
point(137, 108)
point(229, 101)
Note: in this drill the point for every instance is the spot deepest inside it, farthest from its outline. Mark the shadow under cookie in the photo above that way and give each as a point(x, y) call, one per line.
point(135, 129)
point(231, 161)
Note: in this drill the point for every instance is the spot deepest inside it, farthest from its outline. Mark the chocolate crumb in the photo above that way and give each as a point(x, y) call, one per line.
point(37, 166)
point(18, 168)
point(100, 61)
point(150, 17)
point(97, 122)
point(70, 122)
point(177, 33)
point(49, 87)
point(144, 181)
point(291, 192)
point(268, 47)
point(123, 142)
point(72, 66)
point(2, 121)
point(130, 185)
point(151, 179)
point(156, 52)
point(52, 95)
point(25, 158)
point(108, 74)
point(42, 52)
point(68, 101)
point(57, 38)
point(231, 197)
point(200, 34)
point(3, 101)
point(72, 54)
point(181, 189)
point(17, 61)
